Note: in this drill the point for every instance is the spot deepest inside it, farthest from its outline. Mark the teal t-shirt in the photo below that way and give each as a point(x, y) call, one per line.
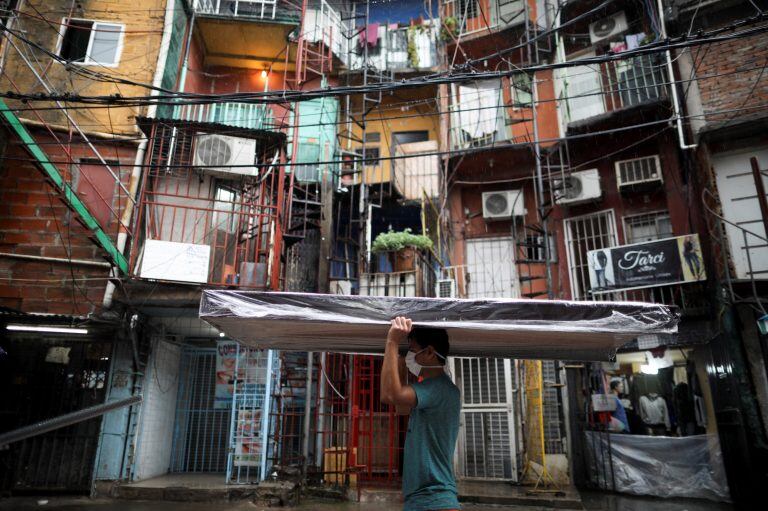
point(428, 481)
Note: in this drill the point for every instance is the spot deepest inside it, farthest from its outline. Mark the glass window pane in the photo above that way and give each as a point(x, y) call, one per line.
point(105, 41)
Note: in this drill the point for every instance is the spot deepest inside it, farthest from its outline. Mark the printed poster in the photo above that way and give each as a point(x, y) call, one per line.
point(227, 353)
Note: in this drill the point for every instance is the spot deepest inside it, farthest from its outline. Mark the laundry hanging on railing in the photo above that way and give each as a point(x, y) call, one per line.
point(536, 329)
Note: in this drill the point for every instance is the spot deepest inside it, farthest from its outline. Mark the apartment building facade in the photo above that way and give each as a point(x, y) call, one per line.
point(525, 183)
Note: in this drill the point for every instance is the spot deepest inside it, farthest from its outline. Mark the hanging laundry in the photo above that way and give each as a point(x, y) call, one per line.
point(479, 108)
point(372, 34)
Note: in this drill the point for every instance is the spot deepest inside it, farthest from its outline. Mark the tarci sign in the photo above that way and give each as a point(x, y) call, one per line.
point(653, 263)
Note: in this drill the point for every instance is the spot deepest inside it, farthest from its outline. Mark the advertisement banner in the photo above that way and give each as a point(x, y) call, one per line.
point(649, 264)
point(226, 362)
point(248, 438)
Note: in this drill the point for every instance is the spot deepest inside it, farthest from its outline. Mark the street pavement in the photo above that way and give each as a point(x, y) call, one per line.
point(593, 501)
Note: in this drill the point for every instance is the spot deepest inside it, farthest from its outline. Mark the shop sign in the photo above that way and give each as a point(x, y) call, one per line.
point(654, 263)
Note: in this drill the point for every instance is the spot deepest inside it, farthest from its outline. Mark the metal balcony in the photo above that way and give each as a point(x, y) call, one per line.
point(590, 91)
point(690, 298)
point(466, 17)
point(418, 280)
point(267, 10)
point(391, 52)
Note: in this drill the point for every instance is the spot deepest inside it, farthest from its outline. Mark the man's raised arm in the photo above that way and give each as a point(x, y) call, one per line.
point(393, 392)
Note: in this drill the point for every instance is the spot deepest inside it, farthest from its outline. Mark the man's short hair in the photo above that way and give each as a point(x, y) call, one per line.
point(615, 384)
point(428, 336)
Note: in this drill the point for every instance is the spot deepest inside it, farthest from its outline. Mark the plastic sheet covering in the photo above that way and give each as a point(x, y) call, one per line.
point(658, 466)
point(539, 329)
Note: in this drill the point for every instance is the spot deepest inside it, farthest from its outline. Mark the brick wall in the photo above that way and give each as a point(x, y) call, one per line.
point(730, 77)
point(33, 221)
point(158, 412)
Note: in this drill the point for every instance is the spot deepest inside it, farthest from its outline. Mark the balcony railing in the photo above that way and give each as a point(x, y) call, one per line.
point(464, 17)
point(590, 91)
point(420, 280)
point(478, 115)
point(239, 115)
point(205, 225)
point(398, 49)
point(323, 24)
point(267, 10)
point(690, 298)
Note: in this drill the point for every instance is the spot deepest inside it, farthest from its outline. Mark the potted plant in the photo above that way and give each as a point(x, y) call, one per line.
point(404, 245)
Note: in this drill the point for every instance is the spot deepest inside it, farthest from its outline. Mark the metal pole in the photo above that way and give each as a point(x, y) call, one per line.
point(757, 175)
point(265, 409)
point(540, 185)
point(307, 411)
point(65, 420)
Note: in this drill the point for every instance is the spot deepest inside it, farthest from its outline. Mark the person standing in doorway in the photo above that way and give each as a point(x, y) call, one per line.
point(434, 406)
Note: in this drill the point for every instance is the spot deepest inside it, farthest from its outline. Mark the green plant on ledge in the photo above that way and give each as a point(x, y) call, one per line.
point(395, 241)
point(448, 29)
point(413, 52)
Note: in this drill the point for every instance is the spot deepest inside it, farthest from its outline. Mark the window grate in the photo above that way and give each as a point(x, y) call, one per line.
point(647, 227)
point(638, 170)
point(583, 234)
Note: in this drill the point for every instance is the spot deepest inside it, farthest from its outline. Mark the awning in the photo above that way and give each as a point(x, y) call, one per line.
point(537, 329)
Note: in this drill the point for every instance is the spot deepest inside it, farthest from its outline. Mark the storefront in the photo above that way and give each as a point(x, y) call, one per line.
point(649, 425)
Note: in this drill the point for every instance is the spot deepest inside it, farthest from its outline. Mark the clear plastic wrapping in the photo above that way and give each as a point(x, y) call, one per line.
point(659, 466)
point(540, 329)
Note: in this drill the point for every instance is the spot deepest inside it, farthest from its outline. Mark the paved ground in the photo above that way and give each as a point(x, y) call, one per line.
point(592, 502)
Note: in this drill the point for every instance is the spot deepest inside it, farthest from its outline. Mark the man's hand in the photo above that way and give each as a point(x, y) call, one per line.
point(399, 330)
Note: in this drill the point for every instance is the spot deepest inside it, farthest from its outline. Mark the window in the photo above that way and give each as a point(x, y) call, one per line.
point(371, 156)
point(522, 93)
point(582, 234)
point(91, 42)
point(647, 227)
point(374, 136)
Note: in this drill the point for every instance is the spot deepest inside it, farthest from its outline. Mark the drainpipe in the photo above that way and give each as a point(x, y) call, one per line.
point(673, 82)
point(133, 183)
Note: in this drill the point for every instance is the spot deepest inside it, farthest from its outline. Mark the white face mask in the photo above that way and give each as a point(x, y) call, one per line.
point(413, 366)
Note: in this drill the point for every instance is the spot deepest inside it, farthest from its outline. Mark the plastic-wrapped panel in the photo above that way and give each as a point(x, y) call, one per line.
point(539, 329)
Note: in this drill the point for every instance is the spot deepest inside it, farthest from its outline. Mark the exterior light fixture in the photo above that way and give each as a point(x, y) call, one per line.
point(263, 73)
point(47, 329)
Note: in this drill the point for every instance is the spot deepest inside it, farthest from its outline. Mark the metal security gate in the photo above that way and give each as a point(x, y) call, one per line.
point(249, 430)
point(45, 378)
point(487, 437)
point(201, 432)
point(487, 448)
point(491, 268)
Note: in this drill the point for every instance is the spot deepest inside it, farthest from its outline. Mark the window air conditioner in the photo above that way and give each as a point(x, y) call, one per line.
point(638, 172)
point(227, 157)
point(578, 187)
point(608, 27)
point(445, 288)
point(503, 205)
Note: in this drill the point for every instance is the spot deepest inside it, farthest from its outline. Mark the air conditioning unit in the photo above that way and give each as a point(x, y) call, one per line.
point(608, 27)
point(638, 172)
point(503, 205)
point(224, 156)
point(578, 187)
point(445, 288)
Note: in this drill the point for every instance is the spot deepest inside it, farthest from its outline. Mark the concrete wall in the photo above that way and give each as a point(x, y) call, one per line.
point(155, 438)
